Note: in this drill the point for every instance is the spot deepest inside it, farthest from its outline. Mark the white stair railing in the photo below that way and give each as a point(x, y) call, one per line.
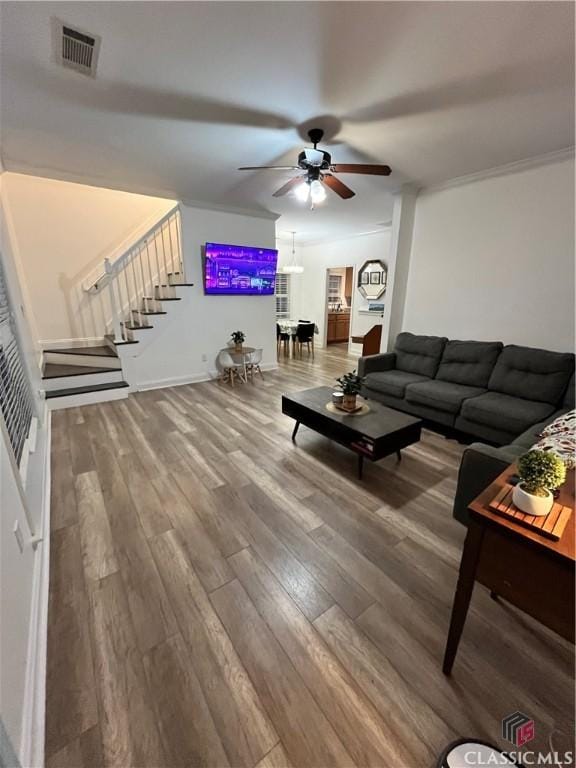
point(138, 280)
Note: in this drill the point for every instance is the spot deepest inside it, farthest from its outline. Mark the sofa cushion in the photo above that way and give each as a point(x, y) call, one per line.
point(534, 374)
point(504, 412)
point(391, 382)
point(419, 354)
point(569, 398)
point(443, 395)
point(469, 362)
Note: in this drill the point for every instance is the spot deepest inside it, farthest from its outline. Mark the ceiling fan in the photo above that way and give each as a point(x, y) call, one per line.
point(318, 172)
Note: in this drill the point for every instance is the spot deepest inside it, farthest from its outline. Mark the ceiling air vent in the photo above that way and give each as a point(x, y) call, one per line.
point(75, 48)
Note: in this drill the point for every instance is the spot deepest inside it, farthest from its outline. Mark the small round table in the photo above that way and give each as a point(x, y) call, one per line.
point(238, 357)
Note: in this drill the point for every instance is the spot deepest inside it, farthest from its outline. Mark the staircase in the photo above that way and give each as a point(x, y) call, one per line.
point(135, 289)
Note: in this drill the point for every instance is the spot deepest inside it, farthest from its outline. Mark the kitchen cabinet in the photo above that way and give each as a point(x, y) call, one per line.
point(338, 327)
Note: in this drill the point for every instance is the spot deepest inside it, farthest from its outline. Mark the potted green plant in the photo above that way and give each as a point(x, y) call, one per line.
point(540, 472)
point(350, 384)
point(238, 339)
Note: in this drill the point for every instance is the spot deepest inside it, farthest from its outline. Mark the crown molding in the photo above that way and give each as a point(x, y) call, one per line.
point(326, 240)
point(503, 170)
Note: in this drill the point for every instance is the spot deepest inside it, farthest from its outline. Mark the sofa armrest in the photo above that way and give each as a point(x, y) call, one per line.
point(373, 363)
point(481, 464)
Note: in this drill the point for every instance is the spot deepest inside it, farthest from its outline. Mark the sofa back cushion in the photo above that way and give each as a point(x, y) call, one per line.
point(533, 374)
point(469, 362)
point(419, 354)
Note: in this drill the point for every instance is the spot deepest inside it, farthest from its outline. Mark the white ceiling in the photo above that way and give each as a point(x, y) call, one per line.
point(188, 91)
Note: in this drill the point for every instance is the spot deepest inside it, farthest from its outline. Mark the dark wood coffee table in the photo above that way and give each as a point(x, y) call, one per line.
point(374, 435)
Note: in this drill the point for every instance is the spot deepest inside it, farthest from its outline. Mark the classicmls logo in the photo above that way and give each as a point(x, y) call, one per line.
point(518, 728)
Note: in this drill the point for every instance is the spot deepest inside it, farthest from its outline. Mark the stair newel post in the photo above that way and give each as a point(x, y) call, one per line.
point(173, 268)
point(116, 327)
point(179, 245)
point(138, 306)
point(150, 276)
point(159, 273)
point(125, 303)
point(164, 254)
point(143, 279)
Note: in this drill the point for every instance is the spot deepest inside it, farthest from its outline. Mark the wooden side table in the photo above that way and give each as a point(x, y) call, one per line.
point(370, 341)
point(532, 572)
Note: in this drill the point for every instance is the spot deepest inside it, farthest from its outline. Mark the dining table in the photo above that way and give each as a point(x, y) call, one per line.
point(289, 327)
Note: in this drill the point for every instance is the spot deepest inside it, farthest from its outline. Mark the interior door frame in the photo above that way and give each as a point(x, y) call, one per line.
point(327, 270)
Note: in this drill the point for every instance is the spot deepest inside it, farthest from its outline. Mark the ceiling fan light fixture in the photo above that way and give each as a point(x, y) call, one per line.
point(317, 191)
point(302, 191)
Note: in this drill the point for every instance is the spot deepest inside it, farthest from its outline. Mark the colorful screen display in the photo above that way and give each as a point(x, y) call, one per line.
point(239, 269)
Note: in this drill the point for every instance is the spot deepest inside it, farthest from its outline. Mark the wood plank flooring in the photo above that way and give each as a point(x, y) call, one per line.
point(222, 597)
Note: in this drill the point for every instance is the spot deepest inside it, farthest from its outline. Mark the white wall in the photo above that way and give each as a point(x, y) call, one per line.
point(199, 326)
point(61, 233)
point(494, 259)
point(309, 288)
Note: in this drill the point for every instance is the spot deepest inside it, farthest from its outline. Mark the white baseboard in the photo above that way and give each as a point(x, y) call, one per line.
point(34, 710)
point(196, 378)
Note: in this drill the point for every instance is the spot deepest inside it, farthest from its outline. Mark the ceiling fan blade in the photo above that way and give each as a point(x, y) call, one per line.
point(370, 170)
point(288, 186)
point(270, 168)
point(337, 186)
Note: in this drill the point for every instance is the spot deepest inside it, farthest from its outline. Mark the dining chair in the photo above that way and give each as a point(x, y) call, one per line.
point(253, 360)
point(305, 335)
point(230, 369)
point(282, 338)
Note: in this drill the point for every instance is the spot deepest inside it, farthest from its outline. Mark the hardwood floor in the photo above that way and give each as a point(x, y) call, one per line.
point(222, 597)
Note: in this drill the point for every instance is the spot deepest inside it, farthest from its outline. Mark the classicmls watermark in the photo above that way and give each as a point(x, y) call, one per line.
point(519, 729)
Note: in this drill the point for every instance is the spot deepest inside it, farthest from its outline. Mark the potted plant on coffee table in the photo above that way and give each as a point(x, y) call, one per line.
point(350, 384)
point(238, 339)
point(540, 473)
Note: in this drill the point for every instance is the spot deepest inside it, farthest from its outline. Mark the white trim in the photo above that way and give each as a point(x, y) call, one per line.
point(502, 170)
point(34, 709)
point(87, 398)
point(196, 378)
point(86, 341)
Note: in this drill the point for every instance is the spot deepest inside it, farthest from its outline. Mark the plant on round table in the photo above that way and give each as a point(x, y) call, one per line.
point(540, 473)
point(351, 385)
point(238, 338)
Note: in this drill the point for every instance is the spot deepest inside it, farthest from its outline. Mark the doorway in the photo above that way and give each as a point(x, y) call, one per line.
point(338, 306)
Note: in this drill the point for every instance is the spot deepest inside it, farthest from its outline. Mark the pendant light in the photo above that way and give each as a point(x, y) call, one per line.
point(293, 268)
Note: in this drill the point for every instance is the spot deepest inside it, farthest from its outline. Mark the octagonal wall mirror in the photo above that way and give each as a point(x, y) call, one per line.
point(372, 279)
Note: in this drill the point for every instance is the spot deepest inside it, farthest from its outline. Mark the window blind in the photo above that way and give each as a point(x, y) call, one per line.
point(282, 293)
point(16, 401)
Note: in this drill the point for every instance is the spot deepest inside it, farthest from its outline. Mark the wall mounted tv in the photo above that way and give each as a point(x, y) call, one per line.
point(239, 270)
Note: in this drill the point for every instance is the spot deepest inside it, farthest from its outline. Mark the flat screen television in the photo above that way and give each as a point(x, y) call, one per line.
point(239, 270)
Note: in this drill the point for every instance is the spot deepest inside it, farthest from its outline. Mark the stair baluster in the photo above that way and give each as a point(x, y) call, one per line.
point(135, 280)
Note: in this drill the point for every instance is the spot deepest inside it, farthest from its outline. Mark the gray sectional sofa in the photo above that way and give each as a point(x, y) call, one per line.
point(504, 395)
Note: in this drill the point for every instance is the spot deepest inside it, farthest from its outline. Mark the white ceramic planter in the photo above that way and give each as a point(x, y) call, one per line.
point(532, 505)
